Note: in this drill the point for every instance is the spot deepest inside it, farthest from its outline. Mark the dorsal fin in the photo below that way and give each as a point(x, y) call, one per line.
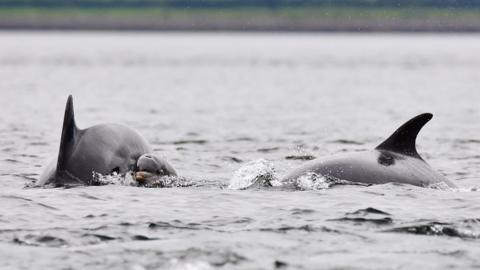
point(403, 139)
point(69, 131)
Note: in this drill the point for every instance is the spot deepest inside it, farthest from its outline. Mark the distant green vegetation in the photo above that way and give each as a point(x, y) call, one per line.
point(241, 3)
point(311, 15)
point(286, 12)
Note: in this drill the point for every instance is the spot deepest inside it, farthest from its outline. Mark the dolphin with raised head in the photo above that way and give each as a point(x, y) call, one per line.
point(101, 149)
point(396, 160)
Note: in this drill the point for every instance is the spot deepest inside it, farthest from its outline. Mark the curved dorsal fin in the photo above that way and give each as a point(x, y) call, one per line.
point(403, 139)
point(69, 132)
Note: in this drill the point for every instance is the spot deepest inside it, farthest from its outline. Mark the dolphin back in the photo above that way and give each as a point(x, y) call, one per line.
point(394, 160)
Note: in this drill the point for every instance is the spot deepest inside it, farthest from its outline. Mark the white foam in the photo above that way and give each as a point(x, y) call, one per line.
point(253, 172)
point(114, 179)
point(440, 186)
point(195, 265)
point(312, 181)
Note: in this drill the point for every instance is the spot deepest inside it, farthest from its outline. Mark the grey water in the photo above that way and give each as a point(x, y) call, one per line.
point(223, 108)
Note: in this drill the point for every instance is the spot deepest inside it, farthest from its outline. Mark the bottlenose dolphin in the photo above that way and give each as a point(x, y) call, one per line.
point(394, 160)
point(101, 149)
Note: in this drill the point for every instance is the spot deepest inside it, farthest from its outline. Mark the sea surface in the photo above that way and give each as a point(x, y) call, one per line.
point(226, 109)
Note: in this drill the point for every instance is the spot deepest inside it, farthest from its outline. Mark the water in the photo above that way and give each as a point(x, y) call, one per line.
point(226, 108)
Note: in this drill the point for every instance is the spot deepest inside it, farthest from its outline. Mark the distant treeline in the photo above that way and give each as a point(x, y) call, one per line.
point(239, 3)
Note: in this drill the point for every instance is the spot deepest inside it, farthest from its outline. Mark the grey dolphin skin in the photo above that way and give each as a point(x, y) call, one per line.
point(104, 149)
point(395, 160)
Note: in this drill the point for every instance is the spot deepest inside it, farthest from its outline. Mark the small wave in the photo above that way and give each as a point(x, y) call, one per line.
point(367, 215)
point(88, 196)
point(27, 176)
point(38, 143)
point(438, 229)
point(230, 222)
point(298, 211)
point(241, 139)
point(139, 237)
point(95, 238)
point(280, 264)
point(284, 229)
point(216, 224)
point(475, 221)
point(101, 237)
point(173, 225)
point(256, 173)
point(369, 210)
point(300, 157)
point(29, 200)
point(232, 159)
point(466, 157)
point(10, 160)
point(190, 142)
point(344, 141)
point(359, 220)
point(268, 150)
point(468, 141)
point(40, 240)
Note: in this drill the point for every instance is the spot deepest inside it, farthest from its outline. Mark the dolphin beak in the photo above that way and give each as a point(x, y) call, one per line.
point(142, 176)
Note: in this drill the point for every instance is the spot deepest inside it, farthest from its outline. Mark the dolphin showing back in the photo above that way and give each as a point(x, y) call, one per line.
point(102, 149)
point(395, 160)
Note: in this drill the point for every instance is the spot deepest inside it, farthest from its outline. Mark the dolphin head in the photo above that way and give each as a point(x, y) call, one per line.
point(150, 167)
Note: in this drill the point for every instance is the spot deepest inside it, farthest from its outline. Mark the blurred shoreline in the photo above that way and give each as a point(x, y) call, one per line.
point(326, 19)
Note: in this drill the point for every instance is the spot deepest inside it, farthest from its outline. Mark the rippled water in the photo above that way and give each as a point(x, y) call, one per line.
point(225, 108)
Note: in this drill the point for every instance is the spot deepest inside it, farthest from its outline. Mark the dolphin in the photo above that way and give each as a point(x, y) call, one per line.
point(101, 149)
point(395, 160)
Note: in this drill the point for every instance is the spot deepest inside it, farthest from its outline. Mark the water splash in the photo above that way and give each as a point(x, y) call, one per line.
point(256, 173)
point(114, 179)
point(261, 173)
point(466, 189)
point(128, 180)
point(314, 181)
point(311, 181)
point(440, 186)
point(176, 264)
